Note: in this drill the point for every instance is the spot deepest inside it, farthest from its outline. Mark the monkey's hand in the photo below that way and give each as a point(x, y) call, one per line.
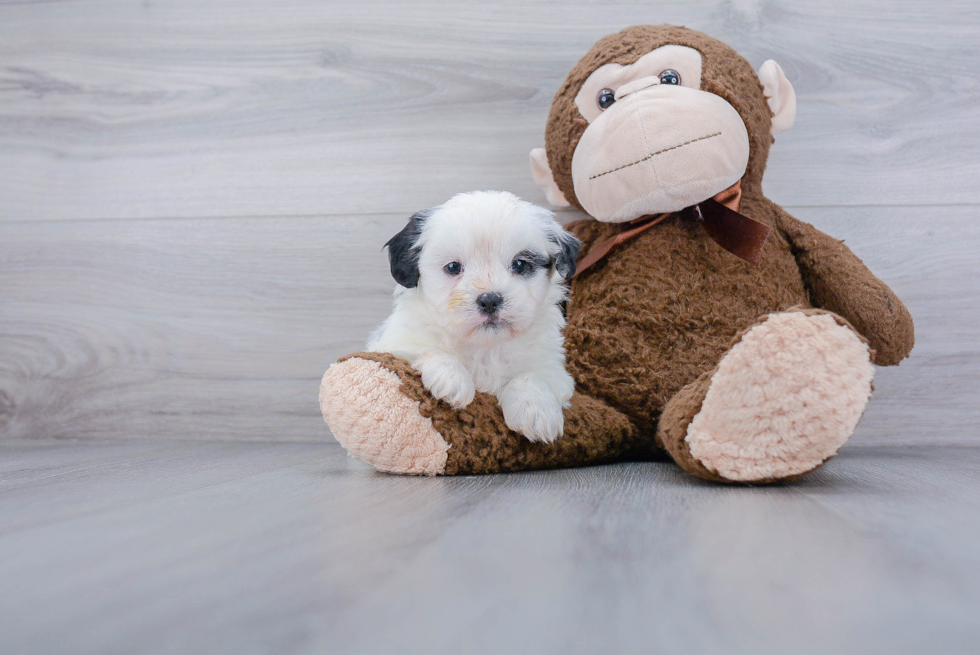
point(532, 408)
point(447, 379)
point(840, 282)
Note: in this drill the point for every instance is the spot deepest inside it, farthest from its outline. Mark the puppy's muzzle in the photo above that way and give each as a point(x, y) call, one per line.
point(489, 303)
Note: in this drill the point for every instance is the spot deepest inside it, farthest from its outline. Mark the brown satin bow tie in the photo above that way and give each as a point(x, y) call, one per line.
point(738, 234)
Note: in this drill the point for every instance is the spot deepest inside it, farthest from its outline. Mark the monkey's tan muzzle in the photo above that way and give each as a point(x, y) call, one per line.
point(660, 149)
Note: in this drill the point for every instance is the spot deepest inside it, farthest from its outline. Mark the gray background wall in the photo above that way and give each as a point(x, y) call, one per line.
point(193, 195)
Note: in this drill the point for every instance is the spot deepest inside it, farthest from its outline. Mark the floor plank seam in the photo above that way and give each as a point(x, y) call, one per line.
point(380, 214)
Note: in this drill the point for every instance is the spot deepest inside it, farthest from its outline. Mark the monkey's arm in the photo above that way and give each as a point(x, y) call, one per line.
point(840, 282)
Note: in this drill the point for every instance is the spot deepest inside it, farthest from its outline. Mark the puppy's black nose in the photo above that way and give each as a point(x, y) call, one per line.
point(489, 303)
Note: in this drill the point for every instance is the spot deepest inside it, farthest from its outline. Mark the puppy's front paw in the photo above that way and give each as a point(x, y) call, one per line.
point(531, 408)
point(447, 379)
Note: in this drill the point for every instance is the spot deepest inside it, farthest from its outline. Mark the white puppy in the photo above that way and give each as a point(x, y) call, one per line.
point(479, 306)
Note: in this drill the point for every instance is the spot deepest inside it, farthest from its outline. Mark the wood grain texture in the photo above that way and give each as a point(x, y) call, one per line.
point(212, 328)
point(193, 195)
point(221, 329)
point(272, 548)
point(182, 108)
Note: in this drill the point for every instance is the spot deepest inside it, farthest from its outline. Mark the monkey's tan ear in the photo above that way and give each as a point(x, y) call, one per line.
point(544, 179)
point(780, 94)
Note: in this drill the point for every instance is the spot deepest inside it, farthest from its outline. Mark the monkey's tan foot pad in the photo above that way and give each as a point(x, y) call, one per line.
point(375, 421)
point(783, 400)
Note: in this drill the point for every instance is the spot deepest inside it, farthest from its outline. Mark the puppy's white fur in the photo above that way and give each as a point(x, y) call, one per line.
point(436, 325)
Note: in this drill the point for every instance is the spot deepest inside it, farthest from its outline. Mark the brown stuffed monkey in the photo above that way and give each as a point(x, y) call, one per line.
point(705, 323)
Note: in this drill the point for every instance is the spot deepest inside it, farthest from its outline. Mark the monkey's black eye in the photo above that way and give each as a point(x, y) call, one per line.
point(670, 77)
point(606, 98)
point(522, 267)
point(453, 268)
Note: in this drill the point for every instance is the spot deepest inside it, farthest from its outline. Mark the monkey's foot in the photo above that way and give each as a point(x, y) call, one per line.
point(379, 410)
point(364, 406)
point(781, 402)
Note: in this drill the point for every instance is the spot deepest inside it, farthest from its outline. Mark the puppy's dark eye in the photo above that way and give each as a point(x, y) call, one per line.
point(453, 268)
point(670, 77)
point(606, 98)
point(522, 267)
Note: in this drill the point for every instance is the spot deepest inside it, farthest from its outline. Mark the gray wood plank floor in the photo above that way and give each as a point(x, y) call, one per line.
point(181, 547)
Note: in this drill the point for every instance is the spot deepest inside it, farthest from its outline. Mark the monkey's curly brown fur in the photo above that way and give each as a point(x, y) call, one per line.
point(658, 312)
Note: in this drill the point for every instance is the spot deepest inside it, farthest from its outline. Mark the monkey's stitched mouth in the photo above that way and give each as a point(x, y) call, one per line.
point(654, 154)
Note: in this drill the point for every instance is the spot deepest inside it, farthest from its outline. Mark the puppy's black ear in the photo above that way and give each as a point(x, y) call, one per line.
point(403, 251)
point(567, 255)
